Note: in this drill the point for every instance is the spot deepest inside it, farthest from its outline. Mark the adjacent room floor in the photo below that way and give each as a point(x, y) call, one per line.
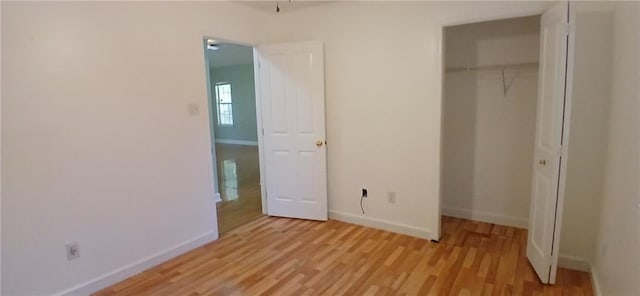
point(239, 183)
point(279, 256)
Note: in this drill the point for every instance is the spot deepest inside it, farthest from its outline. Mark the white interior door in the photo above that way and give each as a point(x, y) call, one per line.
point(550, 144)
point(293, 122)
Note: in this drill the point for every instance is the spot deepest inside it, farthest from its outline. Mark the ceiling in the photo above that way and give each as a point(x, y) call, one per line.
point(285, 6)
point(230, 55)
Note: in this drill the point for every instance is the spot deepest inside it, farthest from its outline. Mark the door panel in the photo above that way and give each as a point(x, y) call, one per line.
point(292, 95)
point(544, 217)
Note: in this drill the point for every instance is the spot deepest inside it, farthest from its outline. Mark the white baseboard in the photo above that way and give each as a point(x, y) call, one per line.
point(486, 217)
point(139, 266)
point(381, 224)
point(595, 282)
point(574, 263)
point(217, 197)
point(237, 142)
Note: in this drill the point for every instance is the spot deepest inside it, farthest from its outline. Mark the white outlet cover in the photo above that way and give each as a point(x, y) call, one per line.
point(73, 250)
point(391, 197)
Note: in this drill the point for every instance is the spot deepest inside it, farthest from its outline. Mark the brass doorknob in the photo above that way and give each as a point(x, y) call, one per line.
point(319, 143)
point(542, 162)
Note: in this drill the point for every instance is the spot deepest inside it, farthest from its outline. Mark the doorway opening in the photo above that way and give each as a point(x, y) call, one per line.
point(234, 125)
point(489, 121)
point(490, 99)
point(503, 157)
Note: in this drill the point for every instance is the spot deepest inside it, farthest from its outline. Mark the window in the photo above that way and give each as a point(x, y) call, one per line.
point(225, 108)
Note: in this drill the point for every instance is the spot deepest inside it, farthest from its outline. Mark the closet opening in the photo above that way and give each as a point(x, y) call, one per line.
point(489, 125)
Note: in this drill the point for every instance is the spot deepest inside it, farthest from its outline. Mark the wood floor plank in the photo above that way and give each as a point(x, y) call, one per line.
point(279, 256)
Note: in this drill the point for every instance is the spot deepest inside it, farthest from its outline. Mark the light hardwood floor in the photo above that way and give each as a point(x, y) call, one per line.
point(239, 183)
point(279, 256)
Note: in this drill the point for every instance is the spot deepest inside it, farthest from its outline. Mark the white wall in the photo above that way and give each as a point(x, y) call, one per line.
point(488, 137)
point(587, 143)
point(97, 141)
point(383, 102)
point(617, 258)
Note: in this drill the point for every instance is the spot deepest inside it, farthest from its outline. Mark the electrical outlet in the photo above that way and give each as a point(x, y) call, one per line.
point(73, 251)
point(391, 197)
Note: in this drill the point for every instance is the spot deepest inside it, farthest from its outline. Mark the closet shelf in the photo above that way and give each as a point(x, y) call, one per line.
point(518, 66)
point(506, 83)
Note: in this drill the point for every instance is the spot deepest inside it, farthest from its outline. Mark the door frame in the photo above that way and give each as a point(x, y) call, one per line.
point(470, 19)
point(256, 81)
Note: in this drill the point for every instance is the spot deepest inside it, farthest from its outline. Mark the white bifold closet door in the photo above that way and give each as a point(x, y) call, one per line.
point(550, 149)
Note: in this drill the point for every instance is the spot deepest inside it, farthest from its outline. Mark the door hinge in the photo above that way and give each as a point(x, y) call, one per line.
point(561, 151)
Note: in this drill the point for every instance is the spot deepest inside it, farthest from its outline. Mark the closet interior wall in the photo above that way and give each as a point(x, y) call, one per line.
point(490, 96)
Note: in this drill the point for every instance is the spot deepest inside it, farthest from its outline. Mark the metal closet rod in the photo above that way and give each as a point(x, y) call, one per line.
point(491, 67)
